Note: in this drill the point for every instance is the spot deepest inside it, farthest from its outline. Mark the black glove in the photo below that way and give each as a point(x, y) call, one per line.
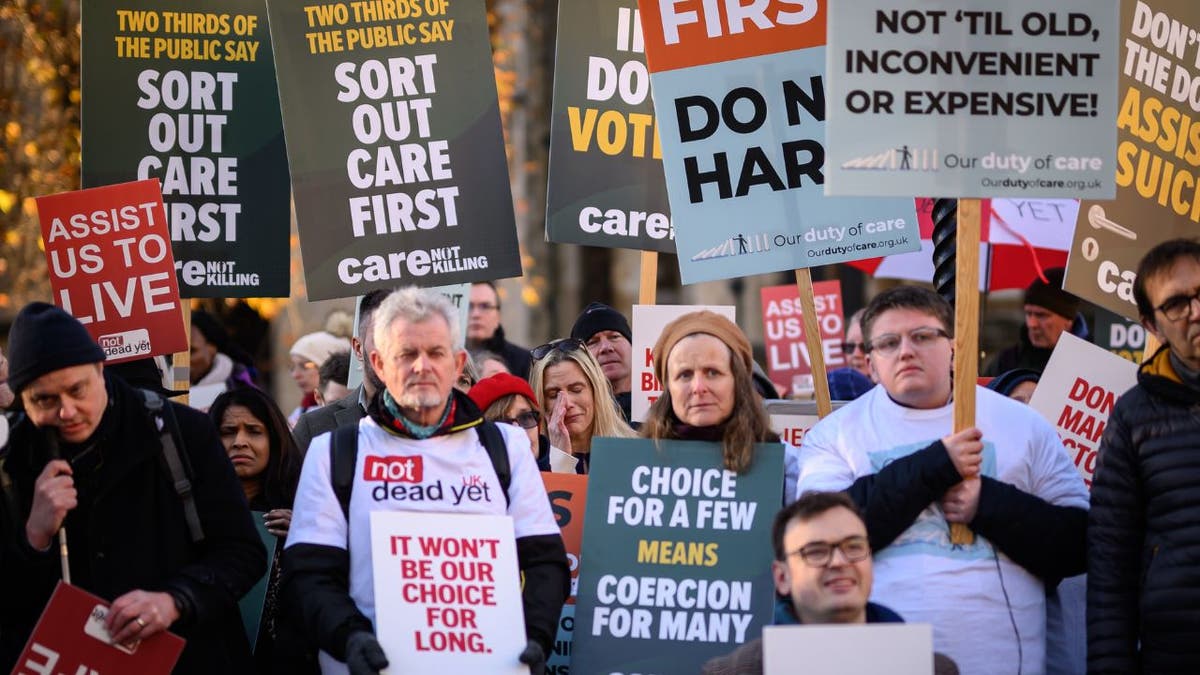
point(364, 656)
point(534, 657)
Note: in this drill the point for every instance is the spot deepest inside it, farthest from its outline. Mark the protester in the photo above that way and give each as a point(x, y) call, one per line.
point(485, 332)
point(307, 355)
point(88, 457)
point(469, 375)
point(328, 570)
point(265, 458)
point(6, 393)
point(489, 364)
point(822, 573)
point(1143, 610)
point(1009, 479)
point(1049, 312)
point(351, 408)
point(1017, 384)
point(332, 377)
point(577, 401)
point(853, 348)
point(606, 333)
point(847, 384)
point(504, 397)
point(212, 355)
point(704, 362)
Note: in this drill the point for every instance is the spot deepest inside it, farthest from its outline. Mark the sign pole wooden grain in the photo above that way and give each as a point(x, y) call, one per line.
point(966, 331)
point(812, 339)
point(648, 289)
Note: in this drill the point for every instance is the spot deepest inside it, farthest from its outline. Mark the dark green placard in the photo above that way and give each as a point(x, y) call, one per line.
point(353, 112)
point(251, 604)
point(606, 187)
point(185, 92)
point(736, 558)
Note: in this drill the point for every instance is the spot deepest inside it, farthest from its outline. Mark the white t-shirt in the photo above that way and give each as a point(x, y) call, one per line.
point(430, 475)
point(921, 575)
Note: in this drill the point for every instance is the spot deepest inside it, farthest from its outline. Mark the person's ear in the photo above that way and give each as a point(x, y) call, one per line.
point(357, 346)
point(1151, 327)
point(781, 577)
point(376, 361)
point(460, 362)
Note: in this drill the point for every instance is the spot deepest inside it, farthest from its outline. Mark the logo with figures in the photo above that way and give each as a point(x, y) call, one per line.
point(903, 158)
point(738, 244)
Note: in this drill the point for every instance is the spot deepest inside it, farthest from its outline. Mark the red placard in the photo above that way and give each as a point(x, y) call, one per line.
point(70, 638)
point(111, 267)
point(568, 495)
point(783, 331)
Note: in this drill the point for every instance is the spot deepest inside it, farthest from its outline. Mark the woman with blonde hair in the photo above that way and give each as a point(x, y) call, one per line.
point(577, 399)
point(704, 362)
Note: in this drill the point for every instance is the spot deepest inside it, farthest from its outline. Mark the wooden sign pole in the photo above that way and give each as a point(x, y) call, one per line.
point(812, 339)
point(648, 289)
point(966, 330)
point(181, 362)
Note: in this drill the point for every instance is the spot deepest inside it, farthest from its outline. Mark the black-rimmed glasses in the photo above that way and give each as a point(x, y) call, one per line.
point(1179, 306)
point(526, 420)
point(820, 553)
point(564, 345)
point(849, 347)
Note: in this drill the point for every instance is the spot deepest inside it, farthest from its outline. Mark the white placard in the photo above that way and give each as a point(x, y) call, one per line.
point(849, 649)
point(648, 323)
point(1076, 395)
point(447, 593)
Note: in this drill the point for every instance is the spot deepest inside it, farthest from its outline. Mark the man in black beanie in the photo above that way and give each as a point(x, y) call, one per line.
point(607, 335)
point(89, 456)
point(1049, 312)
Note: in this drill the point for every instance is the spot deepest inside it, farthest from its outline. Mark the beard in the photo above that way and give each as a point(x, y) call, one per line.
point(421, 398)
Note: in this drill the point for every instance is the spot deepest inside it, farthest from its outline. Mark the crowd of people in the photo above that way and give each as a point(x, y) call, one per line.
point(160, 498)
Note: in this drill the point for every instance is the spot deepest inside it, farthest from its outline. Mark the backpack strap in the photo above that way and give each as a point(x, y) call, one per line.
point(343, 457)
point(176, 464)
point(493, 442)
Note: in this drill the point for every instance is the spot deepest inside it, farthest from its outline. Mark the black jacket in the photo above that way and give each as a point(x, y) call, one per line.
point(1025, 355)
point(1144, 530)
point(342, 412)
point(316, 578)
point(516, 356)
point(129, 533)
point(1047, 540)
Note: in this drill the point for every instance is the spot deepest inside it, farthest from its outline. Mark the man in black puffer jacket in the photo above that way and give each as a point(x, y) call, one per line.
point(1143, 608)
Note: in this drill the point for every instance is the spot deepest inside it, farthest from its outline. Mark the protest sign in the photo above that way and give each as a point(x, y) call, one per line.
point(568, 495)
point(1158, 160)
point(895, 648)
point(251, 604)
point(70, 637)
point(969, 98)
point(1126, 339)
point(1076, 394)
point(678, 555)
point(187, 94)
point(648, 324)
point(395, 144)
point(111, 267)
point(788, 362)
point(447, 593)
point(739, 97)
point(606, 185)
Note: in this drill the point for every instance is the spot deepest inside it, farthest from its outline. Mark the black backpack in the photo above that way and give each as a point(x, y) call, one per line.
point(343, 457)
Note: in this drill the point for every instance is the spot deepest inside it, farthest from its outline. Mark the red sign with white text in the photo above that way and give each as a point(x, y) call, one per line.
point(111, 267)
point(783, 331)
point(71, 639)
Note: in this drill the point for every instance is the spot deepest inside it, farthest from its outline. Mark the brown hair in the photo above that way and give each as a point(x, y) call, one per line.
point(908, 297)
point(810, 505)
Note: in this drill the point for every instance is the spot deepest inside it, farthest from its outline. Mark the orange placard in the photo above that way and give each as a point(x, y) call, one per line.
point(568, 495)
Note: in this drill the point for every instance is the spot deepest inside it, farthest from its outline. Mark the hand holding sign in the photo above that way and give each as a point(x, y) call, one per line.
point(960, 502)
point(966, 451)
point(139, 615)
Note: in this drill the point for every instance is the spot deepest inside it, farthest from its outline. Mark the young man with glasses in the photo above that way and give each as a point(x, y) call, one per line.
point(484, 331)
point(1008, 478)
point(1143, 609)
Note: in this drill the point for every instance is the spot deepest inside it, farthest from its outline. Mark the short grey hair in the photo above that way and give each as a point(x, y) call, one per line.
point(414, 305)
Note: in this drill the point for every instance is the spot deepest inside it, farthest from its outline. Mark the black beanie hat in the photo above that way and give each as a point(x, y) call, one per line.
point(597, 317)
point(1050, 294)
point(1005, 382)
point(44, 339)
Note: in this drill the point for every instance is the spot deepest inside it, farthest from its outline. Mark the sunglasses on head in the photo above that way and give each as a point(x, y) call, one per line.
point(564, 345)
point(526, 420)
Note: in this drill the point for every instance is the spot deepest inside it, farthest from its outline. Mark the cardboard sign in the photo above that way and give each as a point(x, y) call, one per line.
point(568, 496)
point(109, 254)
point(678, 555)
point(1126, 339)
point(648, 324)
point(788, 363)
point(1158, 161)
point(968, 98)
point(186, 93)
point(395, 145)
point(447, 592)
point(606, 185)
point(251, 604)
point(1076, 394)
point(70, 637)
point(895, 648)
point(739, 97)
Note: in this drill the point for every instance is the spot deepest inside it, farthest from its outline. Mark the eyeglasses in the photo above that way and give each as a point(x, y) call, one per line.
point(820, 553)
point(526, 420)
point(921, 338)
point(564, 345)
point(849, 347)
point(1179, 306)
point(482, 306)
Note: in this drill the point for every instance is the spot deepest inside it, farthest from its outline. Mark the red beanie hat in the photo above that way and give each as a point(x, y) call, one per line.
point(488, 390)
